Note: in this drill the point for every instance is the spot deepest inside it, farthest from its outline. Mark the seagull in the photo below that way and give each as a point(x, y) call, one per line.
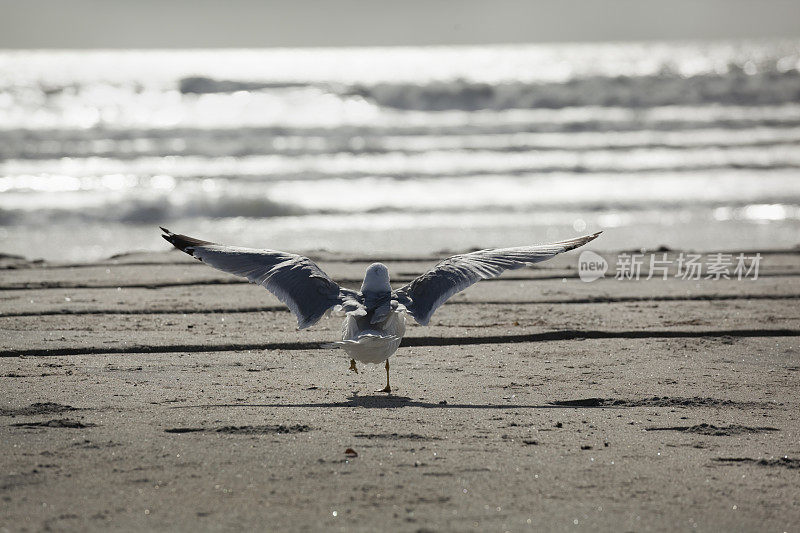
point(375, 315)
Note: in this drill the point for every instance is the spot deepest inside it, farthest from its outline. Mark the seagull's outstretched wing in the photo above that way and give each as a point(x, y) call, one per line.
point(295, 280)
point(426, 293)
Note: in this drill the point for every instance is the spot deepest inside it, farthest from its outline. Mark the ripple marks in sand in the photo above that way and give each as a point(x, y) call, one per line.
point(394, 436)
point(784, 462)
point(45, 408)
point(245, 430)
point(656, 401)
point(57, 423)
point(709, 429)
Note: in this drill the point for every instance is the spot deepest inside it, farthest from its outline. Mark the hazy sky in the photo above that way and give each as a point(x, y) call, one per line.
point(258, 23)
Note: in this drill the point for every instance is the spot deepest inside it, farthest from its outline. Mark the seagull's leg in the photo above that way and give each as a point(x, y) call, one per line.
point(388, 389)
point(353, 366)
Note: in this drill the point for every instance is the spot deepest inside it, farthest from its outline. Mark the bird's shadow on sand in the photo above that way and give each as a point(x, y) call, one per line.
point(390, 401)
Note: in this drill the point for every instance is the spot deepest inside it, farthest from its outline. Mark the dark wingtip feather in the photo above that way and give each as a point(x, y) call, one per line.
point(593, 236)
point(183, 243)
point(577, 242)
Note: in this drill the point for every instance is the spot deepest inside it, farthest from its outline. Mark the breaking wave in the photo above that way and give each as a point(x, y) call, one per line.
point(737, 86)
point(168, 200)
point(153, 210)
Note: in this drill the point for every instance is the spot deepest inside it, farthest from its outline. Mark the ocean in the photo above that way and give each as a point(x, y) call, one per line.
point(384, 151)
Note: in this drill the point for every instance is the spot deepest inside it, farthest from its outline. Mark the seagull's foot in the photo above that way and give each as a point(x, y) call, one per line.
point(353, 366)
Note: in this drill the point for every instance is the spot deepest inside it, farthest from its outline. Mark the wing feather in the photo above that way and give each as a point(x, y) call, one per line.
point(295, 280)
point(429, 291)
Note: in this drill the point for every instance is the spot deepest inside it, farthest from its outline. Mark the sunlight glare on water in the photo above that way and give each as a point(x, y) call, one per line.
point(681, 144)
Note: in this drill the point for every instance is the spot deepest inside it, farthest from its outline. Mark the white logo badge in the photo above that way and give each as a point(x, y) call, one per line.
point(591, 266)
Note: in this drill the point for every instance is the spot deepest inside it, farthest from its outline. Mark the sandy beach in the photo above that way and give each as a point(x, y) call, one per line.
point(149, 392)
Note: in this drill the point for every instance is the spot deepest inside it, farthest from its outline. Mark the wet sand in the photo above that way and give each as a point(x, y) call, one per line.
point(152, 392)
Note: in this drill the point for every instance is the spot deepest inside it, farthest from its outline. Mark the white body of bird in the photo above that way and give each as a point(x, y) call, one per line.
point(373, 334)
point(372, 343)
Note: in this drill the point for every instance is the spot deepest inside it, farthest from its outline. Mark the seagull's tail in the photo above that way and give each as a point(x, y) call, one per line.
point(365, 340)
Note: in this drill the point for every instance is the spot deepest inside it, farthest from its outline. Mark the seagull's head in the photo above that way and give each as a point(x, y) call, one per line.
point(376, 279)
